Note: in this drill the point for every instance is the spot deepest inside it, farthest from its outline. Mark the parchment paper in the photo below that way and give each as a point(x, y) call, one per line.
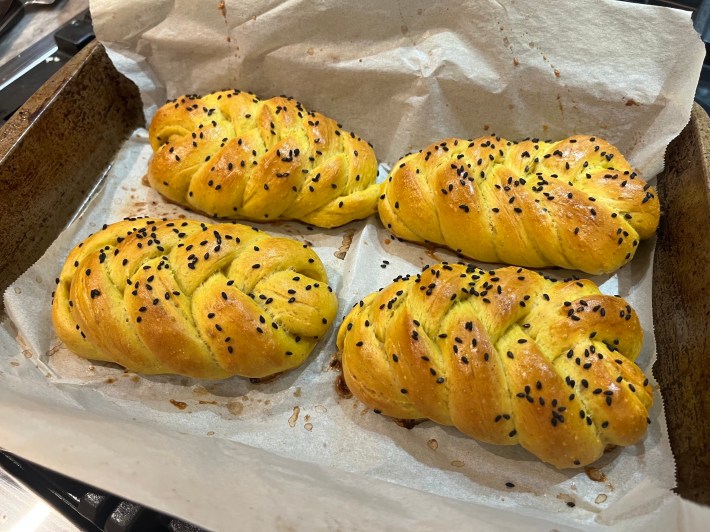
point(401, 75)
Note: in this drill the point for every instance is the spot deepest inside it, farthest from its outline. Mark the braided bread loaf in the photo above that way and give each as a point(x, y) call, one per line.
point(232, 155)
point(506, 356)
point(575, 203)
point(180, 296)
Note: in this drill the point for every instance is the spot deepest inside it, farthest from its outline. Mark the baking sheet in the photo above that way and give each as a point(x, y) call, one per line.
point(418, 71)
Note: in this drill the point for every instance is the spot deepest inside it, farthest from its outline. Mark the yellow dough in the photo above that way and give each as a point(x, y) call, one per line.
point(575, 203)
point(506, 356)
point(202, 300)
point(231, 155)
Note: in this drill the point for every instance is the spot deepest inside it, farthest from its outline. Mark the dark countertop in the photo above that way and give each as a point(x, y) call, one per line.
point(37, 22)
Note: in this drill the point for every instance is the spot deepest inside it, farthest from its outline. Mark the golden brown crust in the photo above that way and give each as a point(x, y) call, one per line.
point(575, 203)
point(231, 155)
point(507, 356)
point(202, 300)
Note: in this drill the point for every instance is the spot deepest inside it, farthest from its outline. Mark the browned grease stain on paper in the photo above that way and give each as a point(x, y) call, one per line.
point(294, 417)
point(565, 498)
point(54, 350)
point(235, 408)
point(341, 388)
point(408, 424)
point(335, 362)
point(345, 245)
point(595, 474)
point(178, 404)
point(431, 253)
point(265, 380)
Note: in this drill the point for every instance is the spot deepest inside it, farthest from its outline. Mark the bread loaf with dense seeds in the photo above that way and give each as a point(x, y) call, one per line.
point(506, 356)
point(232, 155)
point(576, 203)
point(185, 297)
